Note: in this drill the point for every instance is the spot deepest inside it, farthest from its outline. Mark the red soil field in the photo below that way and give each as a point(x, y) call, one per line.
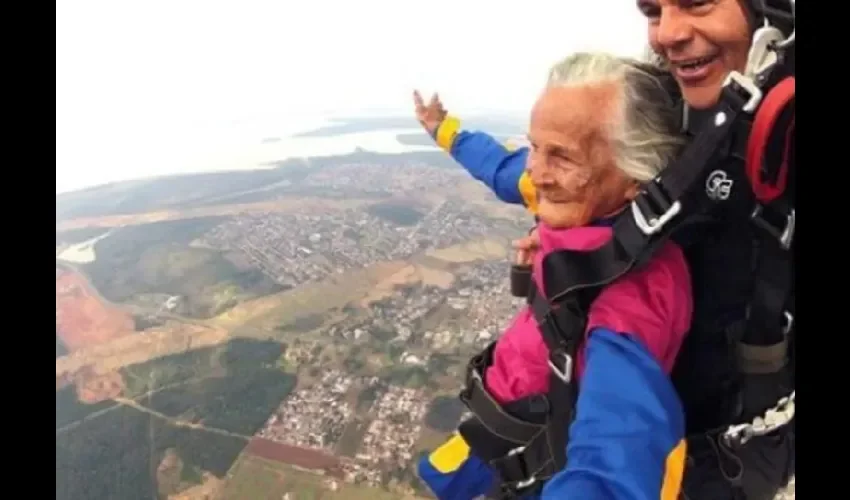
point(82, 318)
point(293, 455)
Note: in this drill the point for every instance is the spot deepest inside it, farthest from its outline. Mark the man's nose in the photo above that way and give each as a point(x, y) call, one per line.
point(674, 29)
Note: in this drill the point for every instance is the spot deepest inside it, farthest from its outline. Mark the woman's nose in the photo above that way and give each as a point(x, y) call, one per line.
point(542, 177)
point(536, 169)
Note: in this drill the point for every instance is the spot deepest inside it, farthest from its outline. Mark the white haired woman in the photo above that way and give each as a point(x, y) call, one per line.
point(603, 126)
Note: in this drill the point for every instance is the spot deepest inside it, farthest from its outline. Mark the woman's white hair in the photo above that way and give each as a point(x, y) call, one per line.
point(648, 136)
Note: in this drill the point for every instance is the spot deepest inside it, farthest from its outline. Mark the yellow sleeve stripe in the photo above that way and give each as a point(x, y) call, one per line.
point(674, 471)
point(446, 132)
point(529, 194)
point(450, 455)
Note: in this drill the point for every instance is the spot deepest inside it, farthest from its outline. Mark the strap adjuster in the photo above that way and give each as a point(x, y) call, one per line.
point(785, 234)
point(746, 88)
point(473, 377)
point(653, 196)
point(511, 464)
point(525, 484)
point(565, 373)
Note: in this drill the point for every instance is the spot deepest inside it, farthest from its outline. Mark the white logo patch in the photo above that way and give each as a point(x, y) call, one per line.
point(718, 186)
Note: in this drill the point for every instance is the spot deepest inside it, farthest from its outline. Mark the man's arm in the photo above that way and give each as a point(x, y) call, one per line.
point(489, 161)
point(627, 441)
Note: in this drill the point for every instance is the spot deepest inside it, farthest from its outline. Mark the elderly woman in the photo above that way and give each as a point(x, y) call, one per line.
point(602, 127)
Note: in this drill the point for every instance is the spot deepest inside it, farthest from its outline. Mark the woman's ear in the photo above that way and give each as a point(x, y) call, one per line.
point(632, 191)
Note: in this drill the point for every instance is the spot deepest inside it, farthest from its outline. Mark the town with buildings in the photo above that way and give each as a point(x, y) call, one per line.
point(317, 417)
point(300, 247)
point(389, 440)
point(415, 322)
point(314, 417)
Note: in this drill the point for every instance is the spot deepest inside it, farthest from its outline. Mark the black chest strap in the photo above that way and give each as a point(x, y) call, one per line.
point(525, 440)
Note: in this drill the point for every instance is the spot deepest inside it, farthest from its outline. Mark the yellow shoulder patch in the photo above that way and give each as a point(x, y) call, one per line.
point(674, 471)
point(450, 455)
point(529, 194)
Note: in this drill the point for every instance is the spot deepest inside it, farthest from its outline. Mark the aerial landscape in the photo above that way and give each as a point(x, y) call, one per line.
point(298, 330)
point(294, 331)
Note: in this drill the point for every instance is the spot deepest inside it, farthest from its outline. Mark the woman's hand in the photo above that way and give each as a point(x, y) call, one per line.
point(526, 248)
point(429, 116)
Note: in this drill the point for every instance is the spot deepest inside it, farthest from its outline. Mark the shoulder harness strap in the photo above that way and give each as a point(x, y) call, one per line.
point(765, 350)
point(525, 440)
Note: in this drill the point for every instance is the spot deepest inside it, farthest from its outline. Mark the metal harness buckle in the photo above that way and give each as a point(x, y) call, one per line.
point(763, 52)
point(565, 374)
point(785, 235)
point(789, 322)
point(513, 489)
point(746, 84)
point(526, 483)
point(774, 418)
point(654, 224)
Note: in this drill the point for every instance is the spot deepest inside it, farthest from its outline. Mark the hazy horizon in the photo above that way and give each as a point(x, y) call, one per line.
point(155, 88)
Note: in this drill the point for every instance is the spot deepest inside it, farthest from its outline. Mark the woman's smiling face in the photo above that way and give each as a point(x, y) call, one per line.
point(571, 162)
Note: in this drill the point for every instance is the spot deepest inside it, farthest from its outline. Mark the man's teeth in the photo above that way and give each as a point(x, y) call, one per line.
point(696, 63)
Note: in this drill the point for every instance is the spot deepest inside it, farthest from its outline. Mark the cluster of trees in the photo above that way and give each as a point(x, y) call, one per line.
point(234, 387)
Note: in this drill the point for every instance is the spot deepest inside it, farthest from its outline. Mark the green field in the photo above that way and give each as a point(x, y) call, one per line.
point(352, 436)
point(230, 388)
point(157, 259)
point(254, 478)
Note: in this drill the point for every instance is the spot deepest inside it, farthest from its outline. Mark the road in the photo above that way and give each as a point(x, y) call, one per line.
point(178, 422)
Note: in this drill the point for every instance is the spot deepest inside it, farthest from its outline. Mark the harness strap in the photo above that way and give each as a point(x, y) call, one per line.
point(768, 318)
point(487, 410)
point(763, 351)
point(527, 451)
point(767, 116)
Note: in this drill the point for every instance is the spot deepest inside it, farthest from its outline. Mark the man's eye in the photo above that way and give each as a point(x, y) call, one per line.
point(649, 9)
point(694, 4)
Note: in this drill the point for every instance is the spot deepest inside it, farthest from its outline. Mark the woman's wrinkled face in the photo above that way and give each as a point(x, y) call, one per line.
point(702, 41)
point(571, 160)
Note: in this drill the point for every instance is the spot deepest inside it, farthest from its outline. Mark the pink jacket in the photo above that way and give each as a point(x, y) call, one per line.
point(652, 304)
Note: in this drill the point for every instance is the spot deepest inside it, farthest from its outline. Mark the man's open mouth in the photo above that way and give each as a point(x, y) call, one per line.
point(690, 68)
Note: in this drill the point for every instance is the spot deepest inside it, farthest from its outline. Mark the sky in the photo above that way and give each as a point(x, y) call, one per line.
point(151, 87)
